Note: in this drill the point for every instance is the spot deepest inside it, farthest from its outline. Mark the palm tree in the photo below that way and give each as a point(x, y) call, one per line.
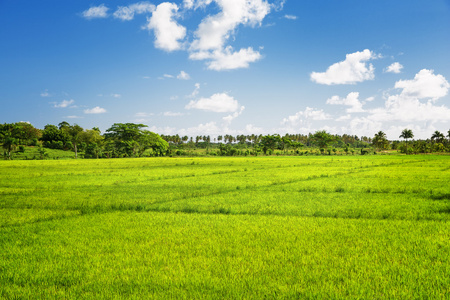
point(407, 134)
point(379, 139)
point(438, 136)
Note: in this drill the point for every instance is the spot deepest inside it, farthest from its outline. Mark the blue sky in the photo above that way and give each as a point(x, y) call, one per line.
point(213, 67)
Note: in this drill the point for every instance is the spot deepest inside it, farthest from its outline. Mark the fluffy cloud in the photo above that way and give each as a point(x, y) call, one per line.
point(308, 114)
point(64, 103)
point(126, 13)
point(183, 76)
point(394, 68)
point(212, 35)
point(350, 71)
point(407, 105)
point(220, 102)
point(214, 30)
point(95, 110)
point(351, 100)
point(168, 32)
point(96, 12)
point(424, 85)
point(227, 59)
point(233, 116)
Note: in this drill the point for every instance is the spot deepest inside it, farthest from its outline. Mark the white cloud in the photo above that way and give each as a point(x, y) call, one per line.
point(351, 100)
point(168, 33)
point(290, 17)
point(407, 106)
point(143, 114)
point(229, 60)
point(183, 76)
point(116, 95)
point(45, 94)
point(214, 30)
point(424, 85)
point(308, 114)
point(95, 12)
point(394, 68)
point(233, 116)
point(95, 110)
point(172, 114)
point(369, 99)
point(126, 13)
point(64, 103)
point(188, 4)
point(168, 76)
point(220, 102)
point(196, 91)
point(350, 71)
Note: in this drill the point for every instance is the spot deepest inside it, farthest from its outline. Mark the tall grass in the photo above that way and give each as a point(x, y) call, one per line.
point(278, 227)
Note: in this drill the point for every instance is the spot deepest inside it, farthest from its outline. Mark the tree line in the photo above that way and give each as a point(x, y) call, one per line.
point(133, 140)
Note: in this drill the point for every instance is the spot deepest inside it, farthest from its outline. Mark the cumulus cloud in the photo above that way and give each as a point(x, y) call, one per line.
point(214, 31)
point(351, 100)
point(416, 100)
point(126, 13)
point(424, 85)
point(394, 68)
point(227, 59)
point(308, 114)
point(211, 38)
point(95, 110)
point(220, 102)
point(168, 33)
point(350, 71)
point(64, 103)
point(233, 116)
point(183, 76)
point(96, 12)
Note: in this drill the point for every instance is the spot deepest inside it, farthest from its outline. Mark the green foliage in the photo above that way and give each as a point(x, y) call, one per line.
point(323, 139)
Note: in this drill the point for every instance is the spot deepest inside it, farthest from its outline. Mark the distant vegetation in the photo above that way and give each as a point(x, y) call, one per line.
point(23, 141)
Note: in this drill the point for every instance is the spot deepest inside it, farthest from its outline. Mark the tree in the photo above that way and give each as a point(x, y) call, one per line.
point(380, 140)
point(131, 140)
point(438, 136)
point(9, 144)
point(406, 134)
point(74, 134)
point(322, 138)
point(269, 142)
point(53, 137)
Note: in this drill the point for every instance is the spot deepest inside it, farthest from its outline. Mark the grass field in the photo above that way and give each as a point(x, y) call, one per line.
point(374, 227)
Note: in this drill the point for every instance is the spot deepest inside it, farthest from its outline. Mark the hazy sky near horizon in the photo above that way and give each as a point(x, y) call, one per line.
point(214, 67)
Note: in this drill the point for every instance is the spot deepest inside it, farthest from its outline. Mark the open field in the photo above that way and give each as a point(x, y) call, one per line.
point(260, 227)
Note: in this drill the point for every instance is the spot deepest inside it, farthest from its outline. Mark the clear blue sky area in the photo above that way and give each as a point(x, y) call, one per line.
point(214, 67)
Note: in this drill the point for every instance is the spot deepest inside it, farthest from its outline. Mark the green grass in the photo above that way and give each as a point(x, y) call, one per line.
point(260, 227)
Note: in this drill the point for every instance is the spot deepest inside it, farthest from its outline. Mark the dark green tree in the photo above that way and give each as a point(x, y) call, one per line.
point(323, 138)
point(406, 134)
point(269, 142)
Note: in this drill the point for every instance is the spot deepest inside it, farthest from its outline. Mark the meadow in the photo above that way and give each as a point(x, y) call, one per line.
point(367, 227)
